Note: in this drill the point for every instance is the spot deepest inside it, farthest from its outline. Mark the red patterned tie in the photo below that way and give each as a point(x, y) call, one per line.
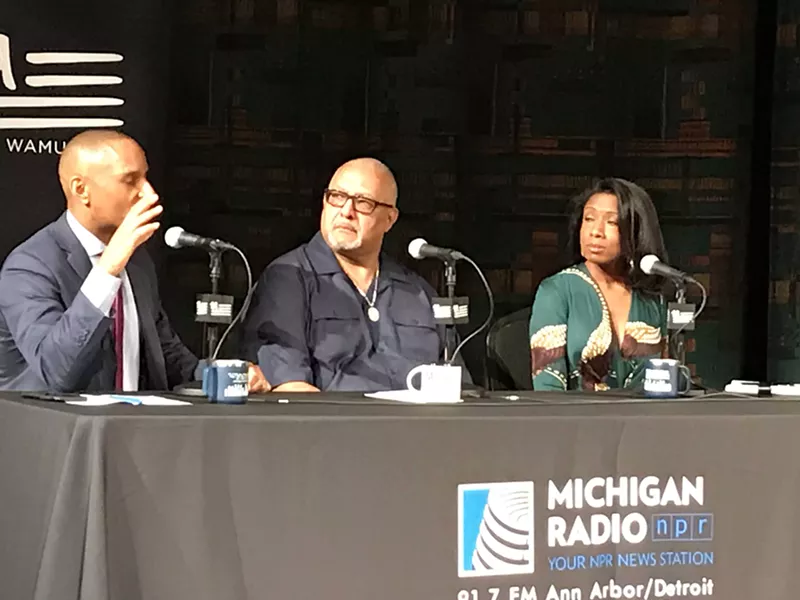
point(119, 328)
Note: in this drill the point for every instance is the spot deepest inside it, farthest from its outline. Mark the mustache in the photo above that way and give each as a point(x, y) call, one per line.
point(345, 226)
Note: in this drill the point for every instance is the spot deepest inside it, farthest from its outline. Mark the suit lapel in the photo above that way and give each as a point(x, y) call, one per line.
point(76, 257)
point(72, 278)
point(151, 346)
point(143, 295)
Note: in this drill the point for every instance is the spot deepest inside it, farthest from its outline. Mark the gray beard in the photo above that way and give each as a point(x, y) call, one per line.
point(338, 246)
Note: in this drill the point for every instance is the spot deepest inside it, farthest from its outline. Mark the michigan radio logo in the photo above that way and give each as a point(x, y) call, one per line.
point(495, 528)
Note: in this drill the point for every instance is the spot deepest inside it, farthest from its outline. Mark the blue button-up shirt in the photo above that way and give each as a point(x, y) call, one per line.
point(309, 323)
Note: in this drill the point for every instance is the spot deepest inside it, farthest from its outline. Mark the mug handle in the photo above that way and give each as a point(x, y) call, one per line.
point(688, 373)
point(209, 380)
point(410, 376)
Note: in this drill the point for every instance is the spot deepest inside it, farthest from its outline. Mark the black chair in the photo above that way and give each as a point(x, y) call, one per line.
point(508, 353)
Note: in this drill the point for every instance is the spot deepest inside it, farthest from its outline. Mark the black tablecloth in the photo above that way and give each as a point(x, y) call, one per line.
point(360, 501)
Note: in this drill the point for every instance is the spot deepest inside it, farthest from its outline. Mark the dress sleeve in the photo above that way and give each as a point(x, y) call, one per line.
point(548, 337)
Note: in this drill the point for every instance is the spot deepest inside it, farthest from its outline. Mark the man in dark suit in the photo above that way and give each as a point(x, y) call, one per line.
point(79, 303)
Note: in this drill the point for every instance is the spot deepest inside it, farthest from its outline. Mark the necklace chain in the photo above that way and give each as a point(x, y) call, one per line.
point(374, 291)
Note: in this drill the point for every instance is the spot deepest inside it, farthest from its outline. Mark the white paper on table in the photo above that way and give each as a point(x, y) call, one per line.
point(106, 399)
point(411, 396)
point(791, 389)
point(751, 387)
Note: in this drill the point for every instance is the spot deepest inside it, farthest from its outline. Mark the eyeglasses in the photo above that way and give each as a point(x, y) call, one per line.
point(362, 204)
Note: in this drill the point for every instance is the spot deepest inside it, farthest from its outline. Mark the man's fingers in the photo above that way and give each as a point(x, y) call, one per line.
point(149, 215)
point(259, 387)
point(142, 205)
point(145, 232)
point(256, 380)
point(146, 201)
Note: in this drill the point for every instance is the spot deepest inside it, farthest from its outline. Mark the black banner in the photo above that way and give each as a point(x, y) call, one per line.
point(66, 67)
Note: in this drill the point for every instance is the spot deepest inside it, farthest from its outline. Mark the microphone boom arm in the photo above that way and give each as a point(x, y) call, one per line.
point(489, 316)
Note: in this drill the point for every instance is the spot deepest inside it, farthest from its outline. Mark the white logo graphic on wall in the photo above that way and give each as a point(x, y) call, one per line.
point(495, 528)
point(35, 111)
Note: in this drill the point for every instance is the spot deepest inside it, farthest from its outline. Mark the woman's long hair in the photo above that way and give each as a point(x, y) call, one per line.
point(639, 231)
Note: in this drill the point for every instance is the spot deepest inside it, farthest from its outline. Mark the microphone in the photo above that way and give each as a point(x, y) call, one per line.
point(213, 309)
point(176, 237)
point(651, 265)
point(420, 249)
point(680, 316)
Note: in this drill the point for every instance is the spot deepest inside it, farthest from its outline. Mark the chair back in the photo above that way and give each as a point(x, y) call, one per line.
point(508, 353)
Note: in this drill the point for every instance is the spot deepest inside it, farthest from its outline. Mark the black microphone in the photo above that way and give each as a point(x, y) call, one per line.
point(420, 249)
point(176, 237)
point(651, 265)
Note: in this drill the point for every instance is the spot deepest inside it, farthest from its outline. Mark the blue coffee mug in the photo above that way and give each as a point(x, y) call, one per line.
point(225, 381)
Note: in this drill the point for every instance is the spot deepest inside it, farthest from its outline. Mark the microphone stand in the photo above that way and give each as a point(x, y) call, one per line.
point(680, 347)
point(450, 328)
point(215, 273)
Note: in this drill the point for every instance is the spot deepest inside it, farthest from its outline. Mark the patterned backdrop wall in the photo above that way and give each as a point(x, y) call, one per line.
point(492, 115)
point(784, 333)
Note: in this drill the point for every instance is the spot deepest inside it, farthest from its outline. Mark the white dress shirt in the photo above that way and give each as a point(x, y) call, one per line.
point(101, 289)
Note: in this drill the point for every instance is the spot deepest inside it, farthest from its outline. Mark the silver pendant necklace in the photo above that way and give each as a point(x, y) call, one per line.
point(372, 312)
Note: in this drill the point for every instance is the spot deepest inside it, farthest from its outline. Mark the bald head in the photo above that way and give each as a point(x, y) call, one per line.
point(371, 173)
point(103, 173)
point(84, 153)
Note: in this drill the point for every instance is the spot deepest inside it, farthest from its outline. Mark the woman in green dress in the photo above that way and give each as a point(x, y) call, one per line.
point(595, 323)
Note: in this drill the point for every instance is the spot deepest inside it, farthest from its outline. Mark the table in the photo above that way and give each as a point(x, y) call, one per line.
point(345, 499)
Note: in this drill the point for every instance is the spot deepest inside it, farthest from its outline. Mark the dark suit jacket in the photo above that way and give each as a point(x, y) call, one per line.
point(53, 338)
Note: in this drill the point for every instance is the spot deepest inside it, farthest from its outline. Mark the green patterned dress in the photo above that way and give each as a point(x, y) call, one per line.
point(573, 344)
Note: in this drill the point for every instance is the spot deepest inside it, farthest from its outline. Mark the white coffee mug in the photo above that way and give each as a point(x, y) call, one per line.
point(438, 382)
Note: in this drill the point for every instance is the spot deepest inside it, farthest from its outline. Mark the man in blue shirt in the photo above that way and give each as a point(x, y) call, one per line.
point(336, 313)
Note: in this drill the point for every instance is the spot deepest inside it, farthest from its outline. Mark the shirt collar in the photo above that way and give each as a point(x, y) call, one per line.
point(92, 245)
point(321, 256)
point(324, 262)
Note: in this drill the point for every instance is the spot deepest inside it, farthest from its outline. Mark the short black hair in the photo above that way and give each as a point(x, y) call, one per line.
point(639, 230)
